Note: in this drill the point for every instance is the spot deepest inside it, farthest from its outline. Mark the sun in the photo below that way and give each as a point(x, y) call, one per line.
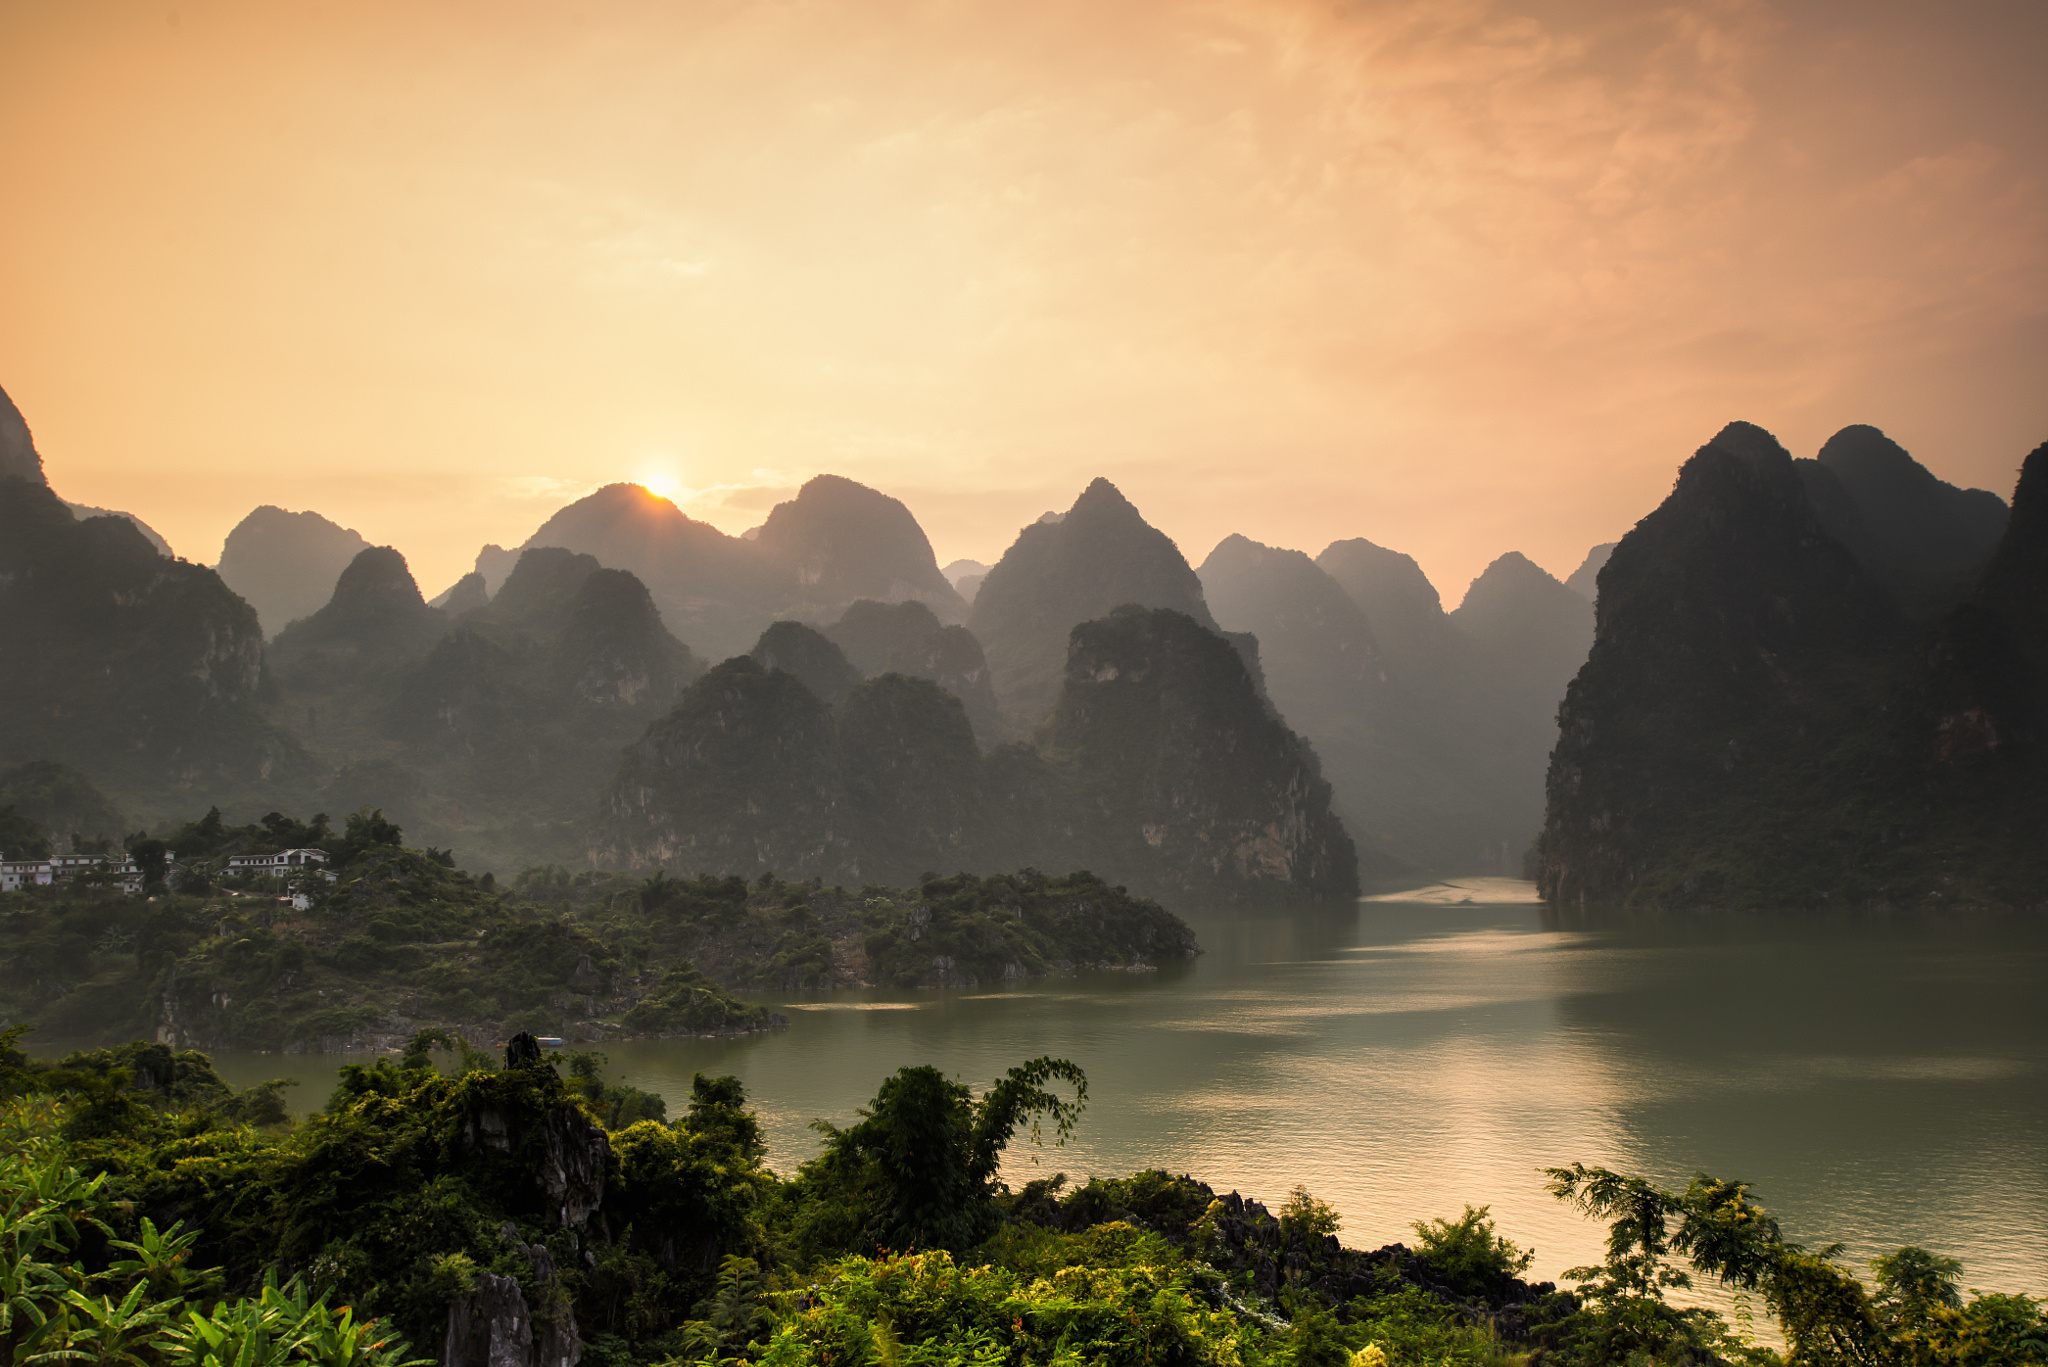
point(660, 482)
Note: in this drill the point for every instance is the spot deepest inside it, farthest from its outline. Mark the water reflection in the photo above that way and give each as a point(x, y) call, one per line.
point(1881, 1082)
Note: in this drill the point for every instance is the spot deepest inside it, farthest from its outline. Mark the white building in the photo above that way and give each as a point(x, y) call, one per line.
point(16, 874)
point(284, 861)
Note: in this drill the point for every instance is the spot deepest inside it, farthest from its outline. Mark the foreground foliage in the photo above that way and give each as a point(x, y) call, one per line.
point(442, 1206)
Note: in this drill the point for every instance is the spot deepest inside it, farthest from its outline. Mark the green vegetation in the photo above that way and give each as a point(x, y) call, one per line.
point(399, 937)
point(149, 1216)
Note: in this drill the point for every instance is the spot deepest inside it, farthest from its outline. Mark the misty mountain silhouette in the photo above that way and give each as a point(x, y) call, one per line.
point(1163, 770)
point(908, 638)
point(142, 671)
point(1059, 573)
point(285, 565)
point(375, 614)
point(1585, 580)
point(812, 657)
point(838, 541)
point(1435, 744)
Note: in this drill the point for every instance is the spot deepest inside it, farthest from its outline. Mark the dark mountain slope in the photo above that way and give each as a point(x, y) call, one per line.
point(913, 780)
point(1058, 574)
point(144, 672)
point(1184, 773)
point(1164, 770)
point(742, 776)
point(797, 649)
point(1922, 538)
point(1728, 739)
point(376, 616)
point(907, 638)
point(286, 564)
point(19, 458)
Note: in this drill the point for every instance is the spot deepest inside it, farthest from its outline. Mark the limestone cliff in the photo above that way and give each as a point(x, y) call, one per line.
point(1182, 771)
point(1760, 724)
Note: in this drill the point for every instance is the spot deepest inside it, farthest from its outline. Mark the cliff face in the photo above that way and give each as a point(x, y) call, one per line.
point(1164, 770)
point(1746, 729)
point(1099, 555)
point(143, 671)
point(285, 565)
point(1182, 770)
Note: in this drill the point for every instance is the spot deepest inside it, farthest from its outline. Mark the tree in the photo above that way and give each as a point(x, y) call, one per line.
point(922, 1161)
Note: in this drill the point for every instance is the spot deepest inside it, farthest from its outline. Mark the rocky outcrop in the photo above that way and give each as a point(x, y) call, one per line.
point(285, 564)
point(1066, 570)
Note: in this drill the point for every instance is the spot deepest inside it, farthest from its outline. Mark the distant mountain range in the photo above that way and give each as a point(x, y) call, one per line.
point(1776, 629)
point(1812, 683)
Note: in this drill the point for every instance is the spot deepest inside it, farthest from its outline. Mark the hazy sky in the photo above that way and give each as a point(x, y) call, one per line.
point(1458, 276)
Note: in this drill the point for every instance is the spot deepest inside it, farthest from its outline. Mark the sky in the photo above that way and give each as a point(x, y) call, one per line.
point(1461, 277)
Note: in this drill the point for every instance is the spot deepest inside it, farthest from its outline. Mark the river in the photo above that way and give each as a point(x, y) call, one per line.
point(1880, 1081)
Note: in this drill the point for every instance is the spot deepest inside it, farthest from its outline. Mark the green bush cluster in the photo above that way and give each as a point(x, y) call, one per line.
point(144, 1220)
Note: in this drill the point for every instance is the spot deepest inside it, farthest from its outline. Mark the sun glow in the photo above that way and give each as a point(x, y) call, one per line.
point(662, 483)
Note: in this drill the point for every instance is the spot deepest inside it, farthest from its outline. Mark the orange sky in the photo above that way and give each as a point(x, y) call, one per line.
point(1457, 276)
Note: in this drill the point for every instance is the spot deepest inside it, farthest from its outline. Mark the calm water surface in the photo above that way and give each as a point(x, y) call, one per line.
point(1880, 1081)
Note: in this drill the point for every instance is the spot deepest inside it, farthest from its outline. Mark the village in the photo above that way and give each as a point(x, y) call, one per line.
point(105, 871)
